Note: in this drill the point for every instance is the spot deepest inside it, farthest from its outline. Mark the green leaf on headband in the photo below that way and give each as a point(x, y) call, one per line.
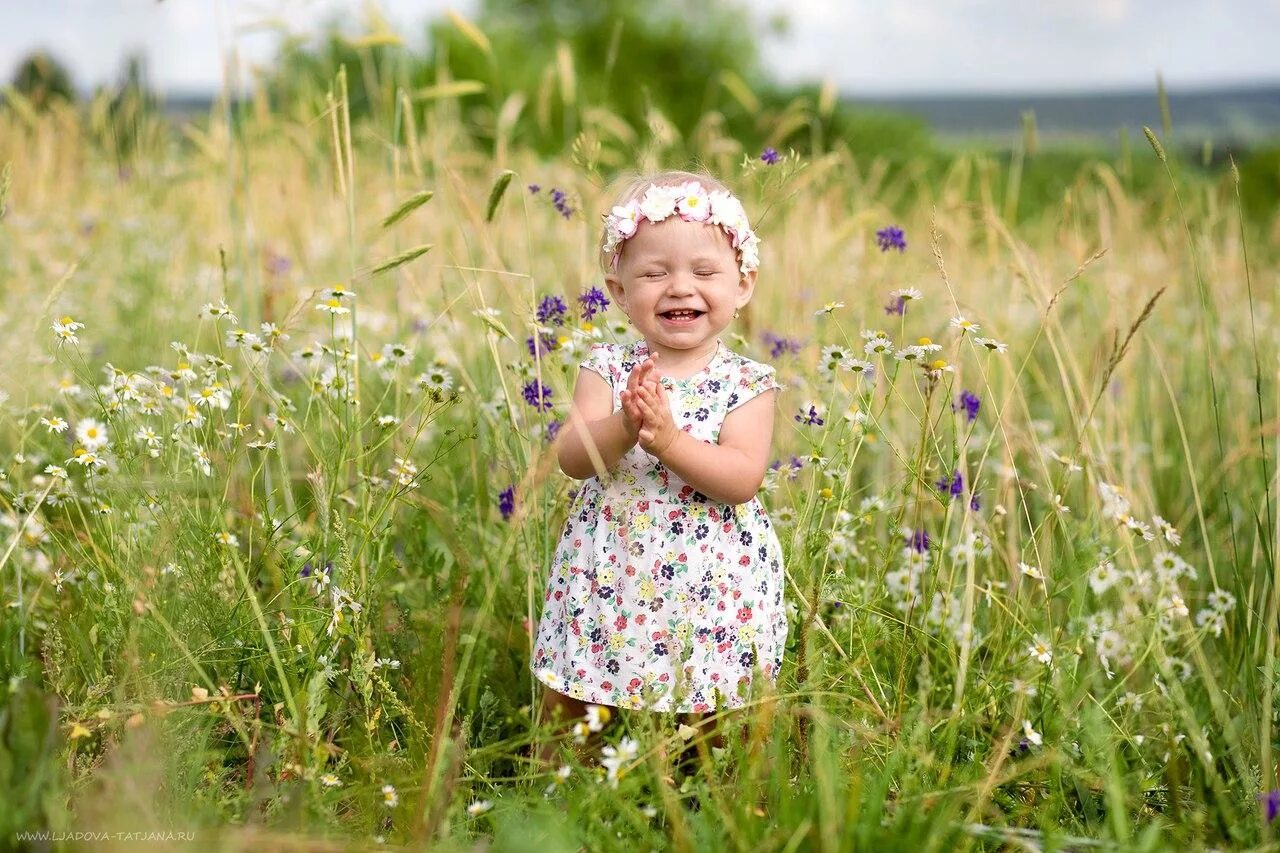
point(411, 204)
point(495, 194)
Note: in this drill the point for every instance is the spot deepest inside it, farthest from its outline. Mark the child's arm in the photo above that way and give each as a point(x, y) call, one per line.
point(731, 471)
point(593, 426)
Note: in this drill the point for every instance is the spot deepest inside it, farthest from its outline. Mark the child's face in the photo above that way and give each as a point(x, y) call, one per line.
point(676, 264)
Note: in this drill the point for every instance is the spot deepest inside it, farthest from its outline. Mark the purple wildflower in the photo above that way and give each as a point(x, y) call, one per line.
point(534, 188)
point(953, 485)
point(507, 502)
point(1271, 802)
point(537, 395)
point(553, 429)
point(541, 345)
point(551, 311)
point(593, 302)
point(560, 199)
point(810, 418)
point(779, 345)
point(307, 569)
point(891, 237)
point(918, 541)
point(970, 403)
point(277, 264)
point(974, 503)
point(897, 305)
point(769, 156)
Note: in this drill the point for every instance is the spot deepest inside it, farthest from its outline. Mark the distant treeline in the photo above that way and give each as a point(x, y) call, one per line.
point(554, 74)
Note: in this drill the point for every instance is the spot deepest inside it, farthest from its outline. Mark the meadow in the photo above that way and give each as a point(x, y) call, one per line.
point(278, 499)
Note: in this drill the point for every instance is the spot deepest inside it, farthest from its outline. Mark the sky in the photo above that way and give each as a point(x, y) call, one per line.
point(868, 49)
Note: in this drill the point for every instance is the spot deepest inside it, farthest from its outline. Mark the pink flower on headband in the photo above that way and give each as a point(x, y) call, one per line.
point(692, 203)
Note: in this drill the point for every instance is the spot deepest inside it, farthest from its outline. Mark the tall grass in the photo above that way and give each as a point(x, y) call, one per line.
point(339, 605)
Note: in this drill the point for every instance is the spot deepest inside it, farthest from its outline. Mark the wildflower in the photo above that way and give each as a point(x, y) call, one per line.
point(228, 539)
point(55, 424)
point(896, 306)
point(1032, 572)
point(1059, 506)
point(912, 353)
point(507, 502)
point(593, 302)
point(338, 292)
point(334, 306)
point(906, 294)
point(1023, 688)
point(388, 663)
point(390, 798)
point(66, 329)
point(616, 757)
point(537, 395)
point(1167, 531)
point(597, 716)
point(558, 778)
point(541, 344)
point(57, 472)
point(810, 418)
point(91, 434)
point(828, 308)
point(202, 462)
point(1211, 619)
point(1109, 645)
point(992, 344)
point(396, 354)
point(330, 781)
point(1040, 650)
point(891, 237)
point(479, 807)
point(404, 471)
point(1141, 527)
point(1114, 503)
point(551, 311)
point(1221, 601)
point(1103, 577)
point(965, 326)
point(438, 379)
point(779, 345)
point(918, 541)
point(1031, 734)
point(953, 485)
point(87, 458)
point(559, 200)
point(878, 345)
point(219, 311)
point(534, 189)
point(769, 156)
point(969, 403)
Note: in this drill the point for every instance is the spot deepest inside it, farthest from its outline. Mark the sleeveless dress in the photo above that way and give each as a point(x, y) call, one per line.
point(659, 597)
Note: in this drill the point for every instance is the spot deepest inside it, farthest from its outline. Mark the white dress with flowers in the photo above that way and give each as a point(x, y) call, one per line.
point(660, 597)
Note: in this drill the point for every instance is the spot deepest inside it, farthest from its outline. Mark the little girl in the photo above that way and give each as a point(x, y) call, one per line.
point(666, 588)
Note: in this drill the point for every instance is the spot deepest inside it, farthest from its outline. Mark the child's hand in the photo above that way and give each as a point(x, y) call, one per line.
point(658, 430)
point(643, 375)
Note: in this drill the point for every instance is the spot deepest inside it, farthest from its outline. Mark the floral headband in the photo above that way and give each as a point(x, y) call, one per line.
point(693, 204)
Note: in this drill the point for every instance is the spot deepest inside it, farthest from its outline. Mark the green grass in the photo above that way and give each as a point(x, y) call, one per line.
point(159, 679)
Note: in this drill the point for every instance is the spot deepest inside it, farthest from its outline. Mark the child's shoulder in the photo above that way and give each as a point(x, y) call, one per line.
point(739, 363)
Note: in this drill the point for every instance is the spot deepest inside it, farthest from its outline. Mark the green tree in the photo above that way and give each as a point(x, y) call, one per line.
point(43, 80)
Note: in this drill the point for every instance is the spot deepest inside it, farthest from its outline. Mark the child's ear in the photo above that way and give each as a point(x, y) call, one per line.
point(614, 284)
point(746, 287)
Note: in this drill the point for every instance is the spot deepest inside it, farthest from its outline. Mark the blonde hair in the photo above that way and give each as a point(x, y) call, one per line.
point(635, 188)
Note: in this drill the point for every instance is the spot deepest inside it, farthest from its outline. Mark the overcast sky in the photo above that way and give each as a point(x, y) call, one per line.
point(879, 48)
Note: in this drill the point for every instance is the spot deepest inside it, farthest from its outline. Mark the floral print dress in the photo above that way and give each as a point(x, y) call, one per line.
point(660, 597)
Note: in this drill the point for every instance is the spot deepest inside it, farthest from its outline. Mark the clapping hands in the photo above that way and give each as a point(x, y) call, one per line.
point(647, 410)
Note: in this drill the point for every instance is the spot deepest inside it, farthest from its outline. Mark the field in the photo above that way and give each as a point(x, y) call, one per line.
point(279, 503)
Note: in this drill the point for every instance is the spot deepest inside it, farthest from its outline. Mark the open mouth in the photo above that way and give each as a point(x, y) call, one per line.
point(681, 316)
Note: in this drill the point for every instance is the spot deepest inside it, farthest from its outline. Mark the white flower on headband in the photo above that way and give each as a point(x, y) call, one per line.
point(693, 204)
